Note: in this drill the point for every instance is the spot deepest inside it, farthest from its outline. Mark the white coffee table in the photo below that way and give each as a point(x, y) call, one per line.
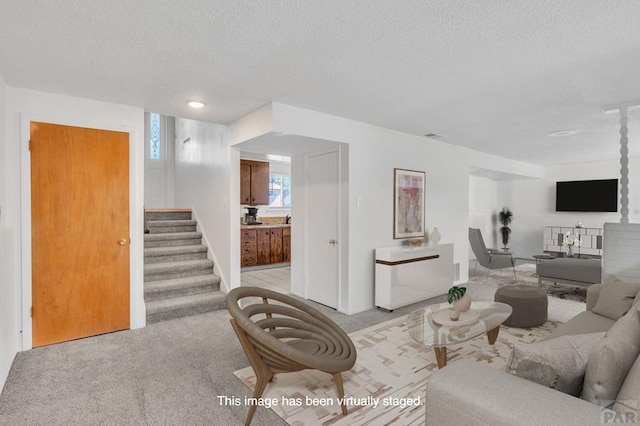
point(423, 328)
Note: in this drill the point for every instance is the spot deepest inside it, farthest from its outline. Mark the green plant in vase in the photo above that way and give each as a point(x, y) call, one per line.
point(459, 301)
point(505, 217)
point(455, 293)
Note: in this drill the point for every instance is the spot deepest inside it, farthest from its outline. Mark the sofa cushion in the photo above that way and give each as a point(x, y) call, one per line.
point(583, 323)
point(611, 360)
point(616, 297)
point(628, 399)
point(558, 363)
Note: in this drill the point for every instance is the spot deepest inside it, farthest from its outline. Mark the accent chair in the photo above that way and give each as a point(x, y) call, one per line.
point(280, 334)
point(489, 258)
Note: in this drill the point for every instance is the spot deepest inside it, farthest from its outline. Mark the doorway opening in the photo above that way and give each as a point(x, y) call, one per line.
point(313, 246)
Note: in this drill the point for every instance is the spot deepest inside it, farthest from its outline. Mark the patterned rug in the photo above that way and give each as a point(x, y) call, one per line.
point(392, 370)
point(526, 274)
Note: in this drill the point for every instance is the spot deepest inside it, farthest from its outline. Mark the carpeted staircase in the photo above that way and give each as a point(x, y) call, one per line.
point(178, 277)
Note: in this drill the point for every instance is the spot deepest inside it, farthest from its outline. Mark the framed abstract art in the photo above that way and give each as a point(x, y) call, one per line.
point(408, 203)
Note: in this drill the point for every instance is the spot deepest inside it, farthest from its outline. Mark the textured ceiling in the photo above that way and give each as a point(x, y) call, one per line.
point(492, 75)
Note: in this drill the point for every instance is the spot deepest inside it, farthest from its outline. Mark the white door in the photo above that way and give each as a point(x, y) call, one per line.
point(322, 228)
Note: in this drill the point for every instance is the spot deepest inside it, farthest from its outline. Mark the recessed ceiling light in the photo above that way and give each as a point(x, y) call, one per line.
point(196, 104)
point(563, 133)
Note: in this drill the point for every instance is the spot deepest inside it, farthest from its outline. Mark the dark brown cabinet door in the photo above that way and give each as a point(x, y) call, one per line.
point(245, 183)
point(260, 183)
point(276, 245)
point(254, 182)
point(248, 248)
point(286, 244)
point(264, 246)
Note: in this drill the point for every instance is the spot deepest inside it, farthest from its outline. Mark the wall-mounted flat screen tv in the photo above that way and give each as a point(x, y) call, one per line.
point(587, 196)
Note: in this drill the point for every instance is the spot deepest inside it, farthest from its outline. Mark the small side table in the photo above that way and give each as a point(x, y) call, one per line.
point(423, 329)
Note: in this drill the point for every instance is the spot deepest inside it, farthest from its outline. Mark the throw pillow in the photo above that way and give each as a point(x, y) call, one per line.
point(616, 298)
point(558, 363)
point(628, 398)
point(637, 299)
point(611, 360)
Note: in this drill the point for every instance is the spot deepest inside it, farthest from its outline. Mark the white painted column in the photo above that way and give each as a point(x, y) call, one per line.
point(624, 167)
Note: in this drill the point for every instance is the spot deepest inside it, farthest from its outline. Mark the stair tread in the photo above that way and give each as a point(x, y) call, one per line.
point(181, 302)
point(169, 210)
point(179, 265)
point(172, 236)
point(163, 251)
point(178, 283)
point(165, 222)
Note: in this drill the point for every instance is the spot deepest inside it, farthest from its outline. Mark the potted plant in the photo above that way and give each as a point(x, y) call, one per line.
point(459, 301)
point(570, 242)
point(505, 217)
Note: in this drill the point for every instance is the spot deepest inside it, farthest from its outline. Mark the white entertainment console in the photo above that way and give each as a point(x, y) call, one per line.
point(406, 275)
point(591, 239)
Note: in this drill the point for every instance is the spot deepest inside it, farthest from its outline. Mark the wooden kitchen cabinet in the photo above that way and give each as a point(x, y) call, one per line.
point(276, 245)
point(264, 246)
point(254, 182)
point(248, 248)
point(286, 244)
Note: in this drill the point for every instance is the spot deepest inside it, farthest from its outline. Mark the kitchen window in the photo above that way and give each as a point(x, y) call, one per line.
point(279, 191)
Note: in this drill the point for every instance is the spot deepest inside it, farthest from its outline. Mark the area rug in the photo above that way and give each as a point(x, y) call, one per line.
point(565, 301)
point(526, 274)
point(387, 383)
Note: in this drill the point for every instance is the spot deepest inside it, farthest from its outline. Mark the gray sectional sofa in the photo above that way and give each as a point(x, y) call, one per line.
point(467, 393)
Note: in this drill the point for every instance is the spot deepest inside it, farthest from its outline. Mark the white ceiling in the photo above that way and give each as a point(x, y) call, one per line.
point(493, 75)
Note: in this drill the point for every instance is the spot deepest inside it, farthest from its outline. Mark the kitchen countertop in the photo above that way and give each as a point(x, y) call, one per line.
point(266, 225)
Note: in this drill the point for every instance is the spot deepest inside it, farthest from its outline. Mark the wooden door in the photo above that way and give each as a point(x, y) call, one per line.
point(80, 232)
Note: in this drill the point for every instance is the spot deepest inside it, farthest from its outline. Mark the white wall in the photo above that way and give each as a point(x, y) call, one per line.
point(23, 105)
point(373, 154)
point(9, 285)
point(533, 202)
point(202, 182)
point(483, 207)
point(158, 173)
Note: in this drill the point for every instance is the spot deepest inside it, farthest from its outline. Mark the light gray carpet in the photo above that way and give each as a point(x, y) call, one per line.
point(168, 373)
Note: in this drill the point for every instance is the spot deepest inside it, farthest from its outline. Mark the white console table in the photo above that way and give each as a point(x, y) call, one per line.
point(590, 239)
point(405, 275)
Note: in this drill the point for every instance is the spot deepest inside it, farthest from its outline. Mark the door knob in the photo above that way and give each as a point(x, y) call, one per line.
point(332, 242)
point(122, 241)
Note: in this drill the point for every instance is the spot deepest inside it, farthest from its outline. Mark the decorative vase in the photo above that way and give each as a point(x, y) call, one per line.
point(435, 236)
point(453, 314)
point(463, 304)
point(569, 251)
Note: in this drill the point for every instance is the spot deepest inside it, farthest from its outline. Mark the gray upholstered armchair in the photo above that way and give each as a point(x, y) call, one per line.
point(489, 258)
